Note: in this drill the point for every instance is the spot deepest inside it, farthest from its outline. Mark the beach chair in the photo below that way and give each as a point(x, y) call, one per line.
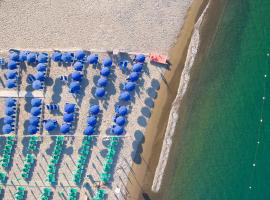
point(30, 78)
point(123, 64)
point(64, 79)
point(52, 107)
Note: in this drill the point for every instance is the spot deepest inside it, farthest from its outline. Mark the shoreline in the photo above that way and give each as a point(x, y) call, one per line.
point(141, 176)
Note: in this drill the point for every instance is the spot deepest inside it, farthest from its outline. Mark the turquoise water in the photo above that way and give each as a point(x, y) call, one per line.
point(218, 139)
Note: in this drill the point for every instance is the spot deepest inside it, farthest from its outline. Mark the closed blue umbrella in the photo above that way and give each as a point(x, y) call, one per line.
point(56, 56)
point(10, 102)
point(102, 82)
point(40, 76)
point(42, 57)
point(105, 71)
point(107, 62)
point(92, 59)
point(67, 57)
point(9, 111)
point(7, 128)
point(124, 96)
point(34, 121)
point(76, 76)
point(65, 128)
point(94, 109)
point(37, 85)
point(129, 86)
point(120, 121)
point(74, 87)
point(11, 74)
point(68, 117)
point(23, 56)
point(134, 76)
point(8, 120)
point(78, 66)
point(89, 130)
point(31, 57)
point(137, 67)
point(118, 130)
point(14, 56)
point(50, 125)
point(100, 92)
point(69, 108)
point(122, 110)
point(41, 67)
point(140, 58)
point(12, 64)
point(79, 55)
point(92, 121)
point(11, 83)
point(36, 102)
point(35, 111)
point(32, 129)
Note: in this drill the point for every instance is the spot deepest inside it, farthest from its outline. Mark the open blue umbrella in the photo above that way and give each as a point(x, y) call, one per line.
point(14, 56)
point(76, 76)
point(11, 83)
point(42, 57)
point(41, 67)
point(94, 109)
point(11, 74)
point(35, 111)
point(32, 129)
point(8, 120)
point(79, 55)
point(129, 86)
point(100, 92)
point(107, 62)
point(31, 57)
point(34, 121)
point(36, 102)
point(92, 59)
point(78, 66)
point(124, 96)
point(105, 71)
point(134, 76)
point(137, 67)
point(67, 57)
point(89, 130)
point(120, 120)
point(122, 110)
point(37, 85)
point(50, 125)
point(12, 64)
point(69, 108)
point(92, 121)
point(9, 111)
point(74, 87)
point(65, 128)
point(56, 56)
point(68, 117)
point(7, 128)
point(102, 82)
point(10, 102)
point(140, 58)
point(118, 130)
point(40, 76)
point(23, 56)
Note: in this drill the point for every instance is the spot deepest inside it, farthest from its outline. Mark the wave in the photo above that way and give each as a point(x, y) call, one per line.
point(174, 116)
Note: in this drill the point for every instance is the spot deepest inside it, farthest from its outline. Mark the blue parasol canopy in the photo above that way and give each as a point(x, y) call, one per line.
point(50, 125)
point(41, 67)
point(14, 56)
point(122, 110)
point(92, 59)
point(94, 109)
point(23, 56)
point(12, 64)
point(67, 57)
point(36, 102)
point(42, 57)
point(56, 56)
point(65, 128)
point(92, 121)
point(32, 129)
point(11, 83)
point(8, 120)
point(134, 76)
point(37, 85)
point(76, 76)
point(31, 57)
point(11, 74)
point(68, 117)
point(137, 67)
point(129, 86)
point(7, 128)
point(102, 82)
point(140, 58)
point(89, 130)
point(105, 71)
point(107, 62)
point(40, 76)
point(69, 108)
point(79, 55)
point(9, 111)
point(35, 111)
point(100, 92)
point(124, 96)
point(34, 121)
point(78, 66)
point(10, 102)
point(120, 120)
point(118, 130)
point(74, 87)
